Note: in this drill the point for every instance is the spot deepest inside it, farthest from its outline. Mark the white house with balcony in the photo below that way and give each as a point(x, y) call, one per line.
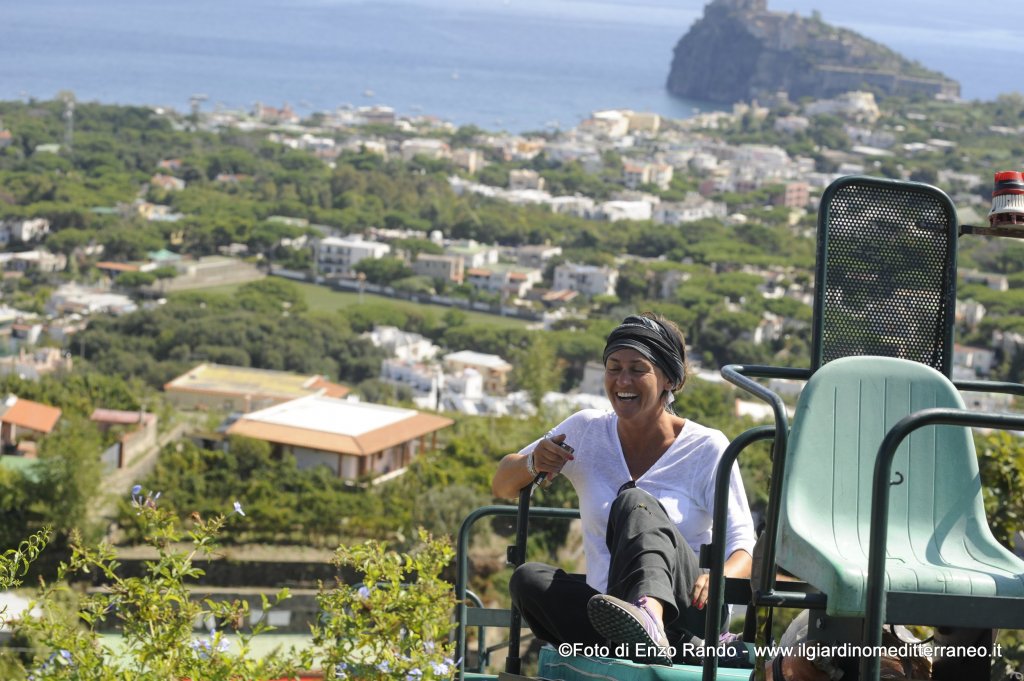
point(337, 256)
point(473, 254)
point(637, 173)
point(588, 280)
point(23, 230)
point(427, 147)
point(578, 206)
point(402, 345)
point(492, 369)
point(525, 179)
point(694, 207)
point(613, 211)
point(512, 281)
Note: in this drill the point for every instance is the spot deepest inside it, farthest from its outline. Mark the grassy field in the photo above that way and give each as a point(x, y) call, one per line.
point(324, 299)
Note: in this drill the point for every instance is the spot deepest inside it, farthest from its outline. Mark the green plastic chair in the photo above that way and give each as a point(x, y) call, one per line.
point(885, 291)
point(881, 509)
point(939, 541)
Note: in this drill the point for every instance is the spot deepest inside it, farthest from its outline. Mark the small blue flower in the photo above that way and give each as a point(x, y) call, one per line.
point(238, 508)
point(339, 670)
point(384, 667)
point(136, 490)
point(66, 654)
point(414, 675)
point(363, 592)
point(444, 668)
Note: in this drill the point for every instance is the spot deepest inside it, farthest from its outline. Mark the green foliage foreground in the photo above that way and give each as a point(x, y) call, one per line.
point(397, 628)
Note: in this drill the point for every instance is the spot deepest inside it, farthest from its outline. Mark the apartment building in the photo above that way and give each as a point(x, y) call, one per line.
point(448, 267)
point(588, 280)
point(337, 256)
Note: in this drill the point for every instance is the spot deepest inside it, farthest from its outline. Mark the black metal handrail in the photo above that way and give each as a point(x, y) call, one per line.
point(462, 566)
point(870, 667)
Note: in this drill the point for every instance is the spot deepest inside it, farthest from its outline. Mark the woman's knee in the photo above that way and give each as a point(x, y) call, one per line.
point(631, 498)
point(528, 581)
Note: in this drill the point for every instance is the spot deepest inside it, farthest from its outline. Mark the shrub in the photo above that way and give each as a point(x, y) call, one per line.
point(387, 629)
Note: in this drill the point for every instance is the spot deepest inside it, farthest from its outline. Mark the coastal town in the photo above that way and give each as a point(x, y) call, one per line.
point(246, 303)
point(672, 174)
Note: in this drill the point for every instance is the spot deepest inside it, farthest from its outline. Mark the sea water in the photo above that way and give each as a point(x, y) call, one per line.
point(500, 64)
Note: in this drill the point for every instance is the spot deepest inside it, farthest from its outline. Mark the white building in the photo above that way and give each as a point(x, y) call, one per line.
point(352, 439)
point(336, 256)
point(792, 124)
point(402, 345)
point(977, 360)
point(693, 208)
point(493, 369)
point(996, 282)
point(641, 121)
point(535, 255)
point(593, 379)
point(427, 147)
point(859, 106)
point(73, 298)
point(613, 211)
point(38, 259)
point(525, 179)
point(635, 174)
point(507, 280)
point(424, 380)
point(18, 230)
point(589, 280)
point(578, 206)
point(470, 160)
point(473, 254)
point(446, 267)
point(969, 313)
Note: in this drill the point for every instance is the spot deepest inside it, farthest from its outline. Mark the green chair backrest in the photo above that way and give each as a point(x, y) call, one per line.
point(885, 281)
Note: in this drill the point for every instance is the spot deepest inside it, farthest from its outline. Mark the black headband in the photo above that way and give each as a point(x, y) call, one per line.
point(652, 340)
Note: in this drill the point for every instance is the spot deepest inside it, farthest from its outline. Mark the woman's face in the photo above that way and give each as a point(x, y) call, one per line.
point(633, 384)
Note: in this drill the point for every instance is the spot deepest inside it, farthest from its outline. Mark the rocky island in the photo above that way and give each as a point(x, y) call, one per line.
point(740, 51)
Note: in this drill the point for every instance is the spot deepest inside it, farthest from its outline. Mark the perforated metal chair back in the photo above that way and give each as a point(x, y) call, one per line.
point(885, 281)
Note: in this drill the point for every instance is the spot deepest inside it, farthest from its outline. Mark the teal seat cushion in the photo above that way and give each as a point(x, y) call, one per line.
point(578, 668)
point(939, 540)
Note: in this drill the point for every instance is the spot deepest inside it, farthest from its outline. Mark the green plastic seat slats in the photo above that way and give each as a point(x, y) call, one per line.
point(939, 539)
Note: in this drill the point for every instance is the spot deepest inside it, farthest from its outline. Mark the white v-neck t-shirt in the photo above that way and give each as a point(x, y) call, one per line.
point(683, 480)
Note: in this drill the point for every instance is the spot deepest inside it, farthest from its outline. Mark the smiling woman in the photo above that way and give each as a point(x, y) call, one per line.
point(645, 480)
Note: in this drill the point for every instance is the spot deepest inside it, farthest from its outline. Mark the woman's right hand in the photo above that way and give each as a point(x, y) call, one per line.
point(550, 455)
point(513, 472)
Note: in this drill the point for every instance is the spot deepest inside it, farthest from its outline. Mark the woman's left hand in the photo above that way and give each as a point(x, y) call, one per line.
point(699, 592)
point(737, 565)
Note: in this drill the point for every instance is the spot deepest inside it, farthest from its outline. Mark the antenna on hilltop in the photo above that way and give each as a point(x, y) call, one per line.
point(69, 119)
point(194, 102)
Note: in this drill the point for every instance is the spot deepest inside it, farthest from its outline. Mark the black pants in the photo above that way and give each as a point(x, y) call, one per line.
point(648, 558)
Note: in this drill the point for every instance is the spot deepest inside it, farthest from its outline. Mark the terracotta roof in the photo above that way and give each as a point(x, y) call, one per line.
point(31, 415)
point(119, 417)
point(118, 266)
point(560, 295)
point(330, 389)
